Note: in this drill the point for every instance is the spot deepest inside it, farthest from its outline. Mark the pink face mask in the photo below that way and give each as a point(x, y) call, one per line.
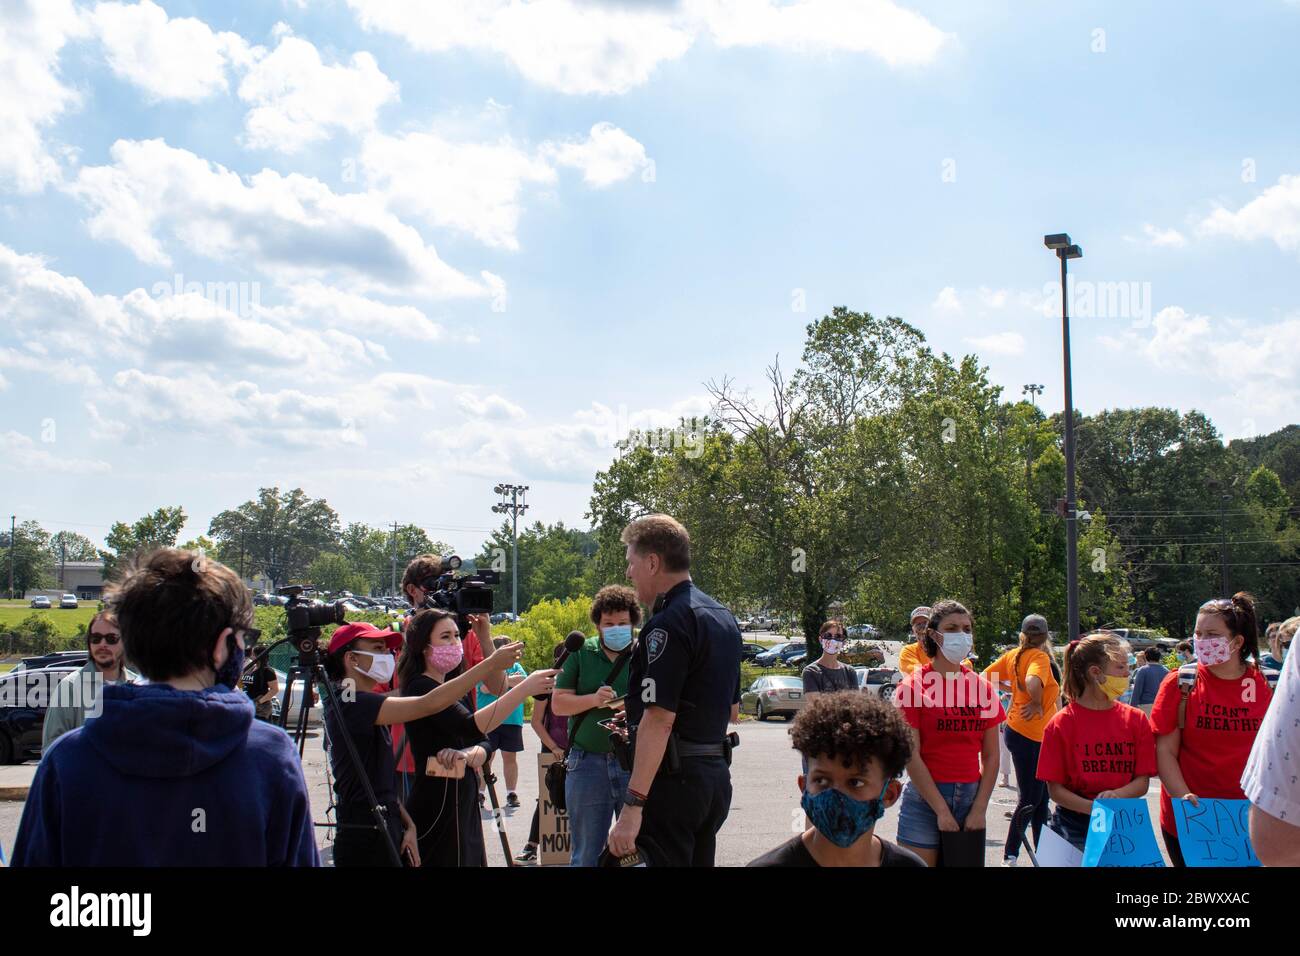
point(445, 657)
point(1212, 650)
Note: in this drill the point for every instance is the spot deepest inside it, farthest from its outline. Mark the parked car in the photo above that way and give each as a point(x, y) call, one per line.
point(68, 601)
point(881, 681)
point(862, 631)
point(749, 652)
point(780, 655)
point(771, 656)
point(41, 602)
point(797, 660)
point(866, 653)
point(56, 659)
point(503, 617)
point(315, 716)
point(24, 697)
point(1139, 639)
point(768, 696)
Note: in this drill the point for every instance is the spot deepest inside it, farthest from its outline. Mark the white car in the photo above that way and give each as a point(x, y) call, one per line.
point(41, 602)
point(315, 717)
point(68, 601)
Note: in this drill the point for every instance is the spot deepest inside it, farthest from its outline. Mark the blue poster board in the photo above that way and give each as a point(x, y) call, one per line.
point(1217, 833)
point(1120, 834)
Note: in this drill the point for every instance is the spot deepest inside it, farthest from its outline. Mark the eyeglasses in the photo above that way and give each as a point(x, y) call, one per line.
point(109, 639)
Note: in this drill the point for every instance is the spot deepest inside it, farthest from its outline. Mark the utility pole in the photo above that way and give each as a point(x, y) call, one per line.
point(394, 583)
point(63, 561)
point(13, 524)
point(512, 503)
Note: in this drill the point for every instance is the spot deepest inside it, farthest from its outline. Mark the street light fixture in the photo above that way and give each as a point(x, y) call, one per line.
point(1065, 250)
point(512, 503)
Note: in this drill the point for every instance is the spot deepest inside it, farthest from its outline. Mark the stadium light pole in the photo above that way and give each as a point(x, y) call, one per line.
point(512, 503)
point(1065, 251)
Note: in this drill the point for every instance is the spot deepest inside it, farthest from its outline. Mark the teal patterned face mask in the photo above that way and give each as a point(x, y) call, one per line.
point(840, 818)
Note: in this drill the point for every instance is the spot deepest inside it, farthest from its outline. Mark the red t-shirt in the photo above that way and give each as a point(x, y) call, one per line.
point(1223, 717)
point(1090, 751)
point(950, 713)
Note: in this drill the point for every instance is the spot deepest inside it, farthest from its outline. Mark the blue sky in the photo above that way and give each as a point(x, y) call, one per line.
point(431, 251)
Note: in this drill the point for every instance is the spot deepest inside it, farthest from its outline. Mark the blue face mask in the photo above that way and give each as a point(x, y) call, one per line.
point(617, 637)
point(230, 672)
point(840, 818)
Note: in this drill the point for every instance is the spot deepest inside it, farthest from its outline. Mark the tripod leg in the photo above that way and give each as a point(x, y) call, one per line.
point(498, 817)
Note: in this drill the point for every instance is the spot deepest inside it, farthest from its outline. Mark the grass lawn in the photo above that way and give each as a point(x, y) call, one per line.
point(11, 612)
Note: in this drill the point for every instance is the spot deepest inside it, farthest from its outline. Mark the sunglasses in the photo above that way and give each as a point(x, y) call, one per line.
point(109, 639)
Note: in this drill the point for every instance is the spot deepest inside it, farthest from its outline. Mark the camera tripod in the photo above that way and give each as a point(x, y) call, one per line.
point(309, 667)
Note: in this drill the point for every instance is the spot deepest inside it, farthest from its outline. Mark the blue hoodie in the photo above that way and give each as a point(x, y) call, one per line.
point(167, 777)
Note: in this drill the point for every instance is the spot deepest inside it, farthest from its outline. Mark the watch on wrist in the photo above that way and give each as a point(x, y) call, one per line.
point(633, 799)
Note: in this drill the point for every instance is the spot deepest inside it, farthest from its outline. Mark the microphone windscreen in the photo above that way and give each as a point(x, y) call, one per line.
point(573, 643)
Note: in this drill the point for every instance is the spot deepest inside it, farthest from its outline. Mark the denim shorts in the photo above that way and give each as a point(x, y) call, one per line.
point(917, 823)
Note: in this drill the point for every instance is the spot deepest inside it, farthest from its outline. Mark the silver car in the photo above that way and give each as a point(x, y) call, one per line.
point(778, 694)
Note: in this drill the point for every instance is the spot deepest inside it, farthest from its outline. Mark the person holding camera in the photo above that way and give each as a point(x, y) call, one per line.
point(360, 657)
point(447, 743)
point(260, 682)
point(175, 772)
point(683, 687)
point(595, 783)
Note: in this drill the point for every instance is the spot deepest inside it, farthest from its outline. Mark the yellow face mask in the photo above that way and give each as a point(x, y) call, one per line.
point(1114, 687)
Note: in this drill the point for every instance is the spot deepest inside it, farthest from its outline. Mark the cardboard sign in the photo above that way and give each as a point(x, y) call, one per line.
point(1120, 834)
point(1217, 833)
point(553, 843)
point(1055, 850)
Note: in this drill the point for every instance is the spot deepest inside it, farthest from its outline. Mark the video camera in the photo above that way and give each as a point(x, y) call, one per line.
point(303, 620)
point(463, 594)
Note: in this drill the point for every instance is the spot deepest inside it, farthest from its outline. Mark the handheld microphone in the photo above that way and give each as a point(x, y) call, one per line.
point(572, 644)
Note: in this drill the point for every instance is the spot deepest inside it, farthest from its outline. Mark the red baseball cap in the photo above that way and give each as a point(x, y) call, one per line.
point(345, 634)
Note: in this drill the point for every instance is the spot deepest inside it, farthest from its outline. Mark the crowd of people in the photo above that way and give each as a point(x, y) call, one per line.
point(178, 754)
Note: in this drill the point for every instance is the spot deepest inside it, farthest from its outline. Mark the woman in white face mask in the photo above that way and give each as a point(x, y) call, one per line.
point(954, 714)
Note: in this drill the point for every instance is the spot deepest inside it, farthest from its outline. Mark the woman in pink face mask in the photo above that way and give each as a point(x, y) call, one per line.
point(1207, 713)
point(451, 742)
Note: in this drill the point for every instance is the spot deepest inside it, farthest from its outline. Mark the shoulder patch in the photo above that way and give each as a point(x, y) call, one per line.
point(655, 642)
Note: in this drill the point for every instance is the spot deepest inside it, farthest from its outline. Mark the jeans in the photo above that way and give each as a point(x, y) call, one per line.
point(594, 787)
point(917, 823)
point(1032, 791)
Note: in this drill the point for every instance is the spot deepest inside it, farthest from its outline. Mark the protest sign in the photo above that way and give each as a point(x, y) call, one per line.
point(1216, 833)
point(1120, 834)
point(553, 847)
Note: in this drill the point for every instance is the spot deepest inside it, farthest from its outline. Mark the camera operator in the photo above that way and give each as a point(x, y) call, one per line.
point(359, 657)
point(683, 686)
point(175, 772)
point(450, 742)
point(418, 583)
point(260, 682)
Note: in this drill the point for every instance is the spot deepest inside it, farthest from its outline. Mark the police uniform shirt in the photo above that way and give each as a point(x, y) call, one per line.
point(687, 660)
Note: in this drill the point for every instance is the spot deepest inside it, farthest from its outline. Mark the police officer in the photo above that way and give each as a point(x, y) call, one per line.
point(683, 687)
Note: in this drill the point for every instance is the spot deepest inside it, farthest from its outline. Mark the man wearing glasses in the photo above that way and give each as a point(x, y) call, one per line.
point(78, 694)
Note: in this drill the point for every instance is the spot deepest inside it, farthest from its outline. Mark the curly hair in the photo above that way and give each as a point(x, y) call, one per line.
point(854, 727)
point(614, 598)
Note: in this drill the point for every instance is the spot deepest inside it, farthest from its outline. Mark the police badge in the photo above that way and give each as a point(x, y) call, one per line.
point(655, 642)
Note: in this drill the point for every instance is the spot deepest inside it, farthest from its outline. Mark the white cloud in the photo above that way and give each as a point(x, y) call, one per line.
point(947, 301)
point(1000, 343)
point(493, 407)
point(169, 58)
point(477, 187)
point(1273, 214)
point(322, 304)
point(608, 155)
point(1180, 339)
point(19, 453)
point(293, 228)
point(585, 47)
point(32, 34)
point(474, 188)
point(298, 100)
point(1163, 238)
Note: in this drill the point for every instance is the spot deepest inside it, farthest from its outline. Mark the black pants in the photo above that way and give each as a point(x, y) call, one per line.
point(1032, 791)
point(358, 843)
point(1073, 826)
point(684, 812)
point(1175, 850)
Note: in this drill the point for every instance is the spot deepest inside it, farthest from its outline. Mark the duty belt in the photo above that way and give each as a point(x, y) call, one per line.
point(688, 748)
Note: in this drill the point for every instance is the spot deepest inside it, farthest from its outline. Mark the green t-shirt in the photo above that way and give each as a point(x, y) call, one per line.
point(584, 673)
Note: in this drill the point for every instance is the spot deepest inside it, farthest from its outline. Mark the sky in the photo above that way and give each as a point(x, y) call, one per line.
point(396, 253)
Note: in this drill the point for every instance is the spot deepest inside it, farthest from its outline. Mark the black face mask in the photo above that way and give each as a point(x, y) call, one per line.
point(232, 670)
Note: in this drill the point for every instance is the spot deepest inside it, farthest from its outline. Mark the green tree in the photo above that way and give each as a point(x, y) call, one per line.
point(554, 563)
point(70, 546)
point(334, 573)
point(280, 533)
point(29, 551)
point(156, 530)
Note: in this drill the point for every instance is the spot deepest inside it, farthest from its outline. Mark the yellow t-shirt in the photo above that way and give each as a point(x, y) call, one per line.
point(912, 657)
point(1034, 662)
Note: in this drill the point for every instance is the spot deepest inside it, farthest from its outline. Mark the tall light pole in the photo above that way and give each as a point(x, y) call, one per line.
point(1033, 391)
point(512, 503)
point(1066, 250)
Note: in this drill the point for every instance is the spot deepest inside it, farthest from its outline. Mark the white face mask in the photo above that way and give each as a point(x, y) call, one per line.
point(381, 666)
point(956, 645)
